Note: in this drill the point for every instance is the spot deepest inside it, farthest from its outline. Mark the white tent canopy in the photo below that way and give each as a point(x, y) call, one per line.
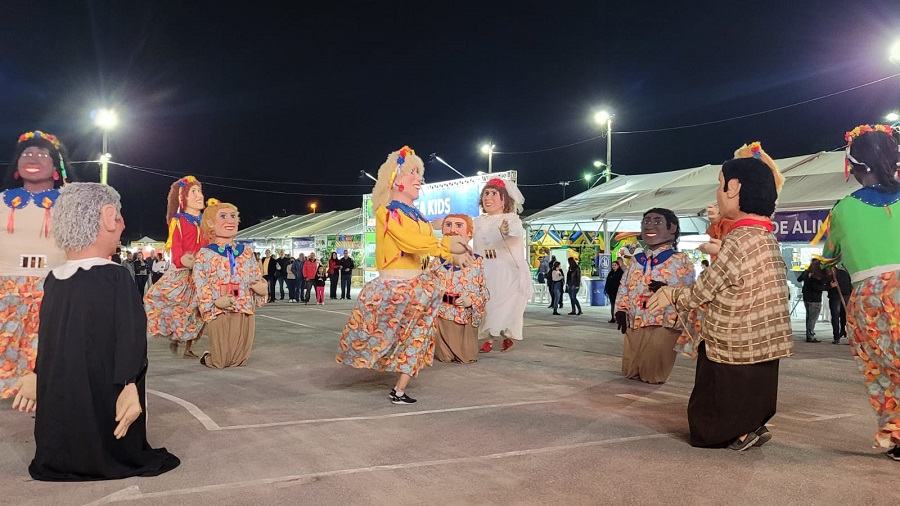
point(330, 223)
point(811, 182)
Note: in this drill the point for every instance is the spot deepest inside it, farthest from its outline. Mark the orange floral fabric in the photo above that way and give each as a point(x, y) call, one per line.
point(20, 305)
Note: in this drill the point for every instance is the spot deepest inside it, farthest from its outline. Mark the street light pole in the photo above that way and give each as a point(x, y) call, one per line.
point(608, 149)
point(104, 158)
point(106, 119)
point(488, 149)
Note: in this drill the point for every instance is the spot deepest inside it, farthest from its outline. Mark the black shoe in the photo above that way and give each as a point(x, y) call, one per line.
point(894, 453)
point(580, 313)
point(764, 435)
point(573, 312)
point(612, 321)
point(812, 340)
point(837, 340)
point(748, 441)
point(557, 314)
point(549, 307)
point(401, 399)
point(203, 357)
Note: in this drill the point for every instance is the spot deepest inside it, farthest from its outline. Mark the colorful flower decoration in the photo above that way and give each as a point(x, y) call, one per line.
point(496, 182)
point(401, 159)
point(856, 132)
point(37, 134)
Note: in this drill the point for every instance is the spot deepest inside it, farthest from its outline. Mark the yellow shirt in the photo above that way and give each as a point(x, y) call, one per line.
point(403, 237)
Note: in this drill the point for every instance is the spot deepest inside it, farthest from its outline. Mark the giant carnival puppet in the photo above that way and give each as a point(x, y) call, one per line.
point(463, 296)
point(500, 239)
point(392, 324)
point(650, 335)
point(873, 312)
point(229, 288)
point(92, 366)
point(746, 324)
point(170, 304)
point(27, 253)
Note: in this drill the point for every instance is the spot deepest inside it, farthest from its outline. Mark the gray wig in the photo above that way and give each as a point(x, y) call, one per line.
point(76, 215)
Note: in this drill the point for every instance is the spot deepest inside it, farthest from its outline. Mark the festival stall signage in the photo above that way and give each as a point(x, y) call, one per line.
point(303, 243)
point(798, 226)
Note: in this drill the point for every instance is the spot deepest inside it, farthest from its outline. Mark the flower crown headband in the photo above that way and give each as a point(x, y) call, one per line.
point(755, 150)
point(37, 134)
point(853, 134)
point(401, 159)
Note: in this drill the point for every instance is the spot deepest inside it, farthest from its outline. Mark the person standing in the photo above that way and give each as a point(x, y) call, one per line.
point(269, 270)
point(611, 288)
point(746, 326)
point(549, 280)
point(321, 277)
point(301, 281)
point(814, 284)
point(573, 281)
point(556, 278)
point(334, 273)
point(873, 311)
point(291, 278)
point(500, 238)
point(310, 268)
point(92, 366)
point(648, 352)
point(141, 272)
point(281, 272)
point(839, 289)
point(160, 266)
point(347, 267)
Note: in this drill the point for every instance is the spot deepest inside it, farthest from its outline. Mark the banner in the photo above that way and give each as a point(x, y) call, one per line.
point(798, 226)
point(436, 202)
point(303, 243)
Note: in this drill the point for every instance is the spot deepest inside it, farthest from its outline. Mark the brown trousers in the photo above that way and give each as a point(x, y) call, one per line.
point(649, 354)
point(230, 340)
point(454, 342)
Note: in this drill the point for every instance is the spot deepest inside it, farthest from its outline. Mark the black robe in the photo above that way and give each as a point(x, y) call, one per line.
point(92, 341)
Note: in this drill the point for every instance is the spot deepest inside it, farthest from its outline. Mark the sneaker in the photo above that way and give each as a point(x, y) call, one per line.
point(748, 441)
point(486, 347)
point(507, 344)
point(401, 399)
point(812, 340)
point(764, 436)
point(837, 340)
point(203, 357)
point(894, 453)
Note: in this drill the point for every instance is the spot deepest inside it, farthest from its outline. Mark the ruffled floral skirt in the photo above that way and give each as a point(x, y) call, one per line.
point(20, 307)
point(873, 320)
point(392, 325)
point(171, 307)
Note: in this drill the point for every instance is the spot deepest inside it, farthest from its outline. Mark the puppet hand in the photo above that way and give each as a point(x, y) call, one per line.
point(26, 393)
point(459, 245)
point(462, 260)
point(656, 285)
point(712, 247)
point(187, 260)
point(224, 302)
point(261, 287)
point(712, 214)
point(504, 227)
point(464, 301)
point(437, 223)
point(128, 409)
point(661, 299)
point(621, 321)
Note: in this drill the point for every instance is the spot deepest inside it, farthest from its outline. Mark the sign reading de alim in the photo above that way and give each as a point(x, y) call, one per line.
point(798, 226)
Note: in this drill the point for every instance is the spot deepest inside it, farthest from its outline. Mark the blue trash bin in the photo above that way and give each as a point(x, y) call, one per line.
point(598, 292)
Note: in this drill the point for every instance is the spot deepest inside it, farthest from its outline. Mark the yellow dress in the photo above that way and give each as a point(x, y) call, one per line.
point(392, 324)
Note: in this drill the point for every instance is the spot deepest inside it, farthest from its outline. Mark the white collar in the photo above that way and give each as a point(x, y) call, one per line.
point(68, 269)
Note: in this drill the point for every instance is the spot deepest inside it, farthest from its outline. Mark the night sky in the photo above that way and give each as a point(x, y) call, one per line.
point(315, 93)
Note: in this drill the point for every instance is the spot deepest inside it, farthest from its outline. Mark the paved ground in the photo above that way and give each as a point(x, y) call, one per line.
point(551, 422)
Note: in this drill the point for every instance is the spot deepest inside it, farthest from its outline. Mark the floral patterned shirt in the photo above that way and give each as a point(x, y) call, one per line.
point(215, 276)
point(663, 264)
point(466, 281)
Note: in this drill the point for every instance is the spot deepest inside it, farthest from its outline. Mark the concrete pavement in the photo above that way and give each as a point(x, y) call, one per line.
point(550, 422)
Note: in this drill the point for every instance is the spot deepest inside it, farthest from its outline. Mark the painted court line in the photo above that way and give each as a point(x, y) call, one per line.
point(330, 311)
point(638, 398)
point(133, 493)
point(211, 425)
point(286, 321)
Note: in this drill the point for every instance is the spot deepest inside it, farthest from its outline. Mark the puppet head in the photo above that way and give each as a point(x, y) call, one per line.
point(658, 227)
point(873, 157)
point(457, 224)
point(755, 150)
point(39, 158)
point(746, 185)
point(88, 214)
point(500, 196)
point(220, 221)
point(185, 196)
point(399, 178)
